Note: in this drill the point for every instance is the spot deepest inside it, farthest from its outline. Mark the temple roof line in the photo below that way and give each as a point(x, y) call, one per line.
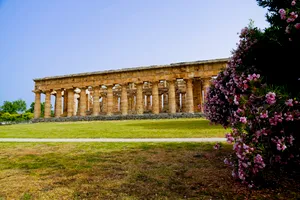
point(134, 69)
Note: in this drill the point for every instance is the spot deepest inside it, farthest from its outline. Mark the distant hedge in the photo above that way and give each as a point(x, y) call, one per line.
point(6, 117)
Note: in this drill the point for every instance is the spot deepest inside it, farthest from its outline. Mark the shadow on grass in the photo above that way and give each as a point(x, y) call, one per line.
point(129, 171)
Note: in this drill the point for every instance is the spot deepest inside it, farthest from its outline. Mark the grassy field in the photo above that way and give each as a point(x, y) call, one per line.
point(169, 128)
point(124, 171)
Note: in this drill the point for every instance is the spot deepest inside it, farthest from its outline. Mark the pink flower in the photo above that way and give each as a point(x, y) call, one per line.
point(291, 139)
point(281, 147)
point(289, 102)
point(277, 158)
point(294, 15)
point(243, 120)
point(236, 100)
point(289, 117)
point(244, 32)
point(287, 30)
point(282, 11)
point(271, 98)
point(297, 25)
point(282, 14)
point(293, 3)
point(253, 77)
point(264, 115)
point(217, 146)
point(239, 111)
point(245, 165)
point(227, 162)
point(289, 20)
point(229, 137)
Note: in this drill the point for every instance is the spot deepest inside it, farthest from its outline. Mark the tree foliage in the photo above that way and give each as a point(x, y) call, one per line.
point(14, 106)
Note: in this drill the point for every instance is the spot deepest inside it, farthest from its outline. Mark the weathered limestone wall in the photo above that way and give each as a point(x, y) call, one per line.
point(156, 89)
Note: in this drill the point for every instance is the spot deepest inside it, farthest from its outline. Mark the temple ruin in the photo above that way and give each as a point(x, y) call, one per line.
point(173, 88)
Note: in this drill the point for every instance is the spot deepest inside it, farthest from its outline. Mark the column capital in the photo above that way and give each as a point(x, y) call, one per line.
point(56, 89)
point(186, 79)
point(139, 82)
point(124, 84)
point(155, 82)
point(69, 88)
point(197, 78)
point(96, 87)
point(206, 81)
point(206, 78)
point(171, 79)
point(110, 85)
point(37, 91)
point(47, 91)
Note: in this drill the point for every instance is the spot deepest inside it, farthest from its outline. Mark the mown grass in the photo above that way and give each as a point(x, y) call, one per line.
point(124, 171)
point(169, 128)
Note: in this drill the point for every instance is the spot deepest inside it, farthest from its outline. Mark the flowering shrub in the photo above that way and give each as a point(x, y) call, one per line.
point(264, 119)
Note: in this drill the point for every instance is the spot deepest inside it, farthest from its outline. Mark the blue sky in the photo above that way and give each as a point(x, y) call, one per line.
point(46, 38)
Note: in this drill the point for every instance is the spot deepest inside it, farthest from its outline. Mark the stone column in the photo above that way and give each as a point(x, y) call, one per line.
point(144, 101)
point(90, 100)
point(110, 98)
point(177, 97)
point(86, 101)
point(130, 104)
point(47, 113)
point(58, 103)
point(159, 101)
point(104, 103)
point(189, 96)
point(124, 99)
point(148, 102)
point(133, 103)
point(165, 103)
point(172, 100)
point(70, 102)
point(197, 94)
point(37, 105)
point(96, 96)
point(201, 98)
point(65, 103)
point(205, 85)
point(155, 98)
point(115, 103)
point(78, 107)
point(54, 105)
point(83, 102)
point(183, 102)
point(139, 98)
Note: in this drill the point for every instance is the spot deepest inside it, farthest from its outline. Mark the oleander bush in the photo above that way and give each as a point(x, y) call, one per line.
point(257, 96)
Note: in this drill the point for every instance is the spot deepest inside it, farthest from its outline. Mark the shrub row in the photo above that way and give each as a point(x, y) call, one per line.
point(6, 117)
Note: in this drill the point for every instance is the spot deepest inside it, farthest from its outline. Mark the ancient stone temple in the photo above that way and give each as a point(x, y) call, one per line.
point(173, 88)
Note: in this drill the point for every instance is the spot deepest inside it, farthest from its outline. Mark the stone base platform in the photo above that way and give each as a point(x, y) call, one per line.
point(119, 117)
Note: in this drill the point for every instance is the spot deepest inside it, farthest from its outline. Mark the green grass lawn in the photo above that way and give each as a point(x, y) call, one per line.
point(163, 128)
point(125, 171)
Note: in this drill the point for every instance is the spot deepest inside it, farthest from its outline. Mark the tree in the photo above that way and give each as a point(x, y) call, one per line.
point(19, 105)
point(280, 46)
point(14, 106)
point(8, 107)
point(31, 108)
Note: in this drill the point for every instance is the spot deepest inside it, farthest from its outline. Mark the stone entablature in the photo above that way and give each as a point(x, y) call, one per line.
point(178, 87)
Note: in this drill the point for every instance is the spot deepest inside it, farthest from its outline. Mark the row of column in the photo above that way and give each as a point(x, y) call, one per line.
point(156, 101)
